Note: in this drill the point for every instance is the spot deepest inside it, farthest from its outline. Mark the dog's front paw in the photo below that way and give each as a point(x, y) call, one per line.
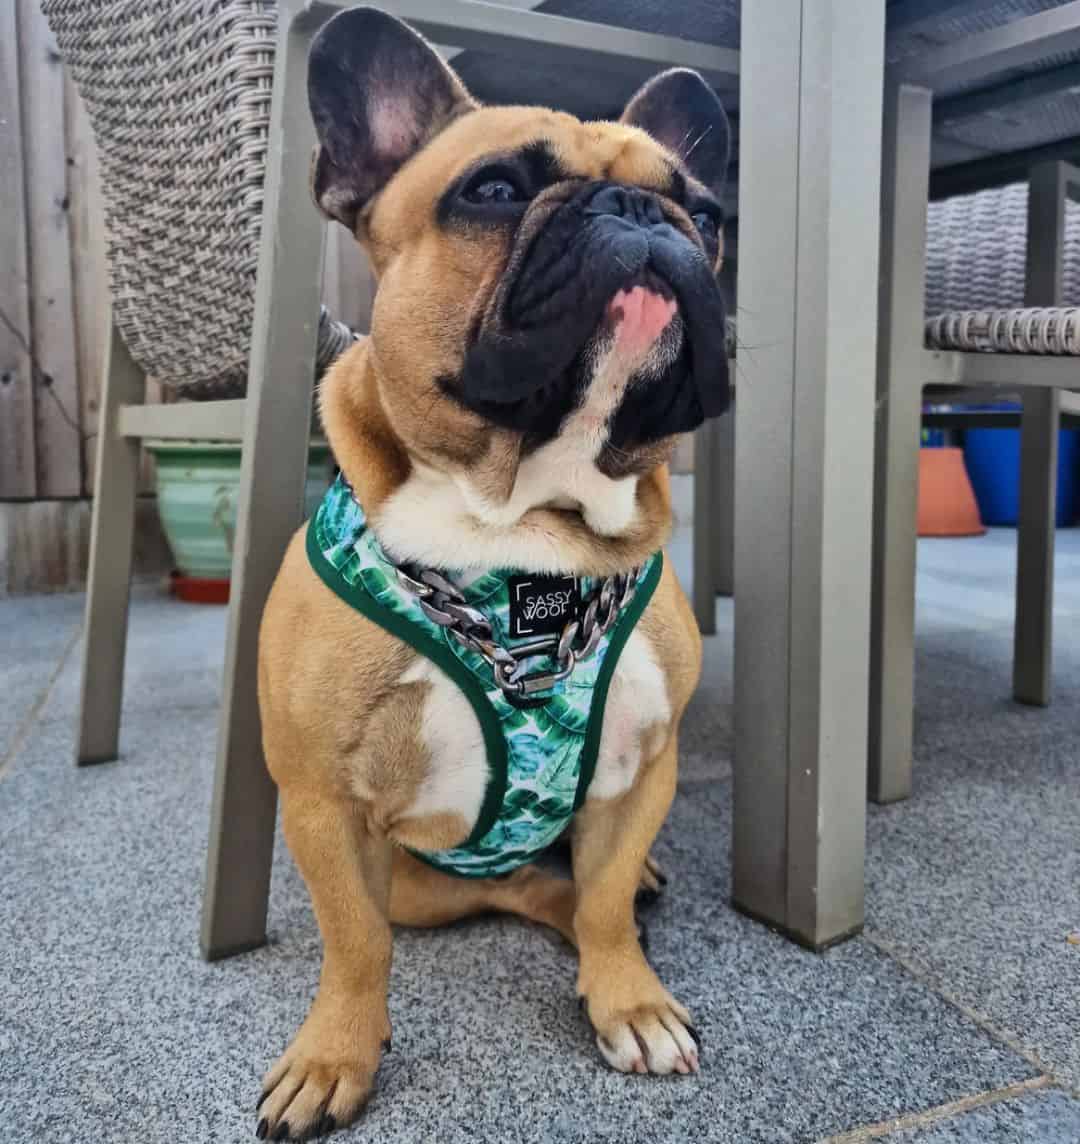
point(639, 1026)
point(324, 1077)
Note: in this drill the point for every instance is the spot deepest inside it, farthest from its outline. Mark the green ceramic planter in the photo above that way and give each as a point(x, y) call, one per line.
point(198, 484)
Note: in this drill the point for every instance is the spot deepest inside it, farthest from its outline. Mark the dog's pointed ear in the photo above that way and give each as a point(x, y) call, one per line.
point(378, 92)
point(679, 109)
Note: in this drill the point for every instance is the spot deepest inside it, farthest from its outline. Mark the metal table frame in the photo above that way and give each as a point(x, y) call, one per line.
point(904, 367)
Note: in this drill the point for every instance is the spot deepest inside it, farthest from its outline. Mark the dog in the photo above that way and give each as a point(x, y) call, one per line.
point(475, 647)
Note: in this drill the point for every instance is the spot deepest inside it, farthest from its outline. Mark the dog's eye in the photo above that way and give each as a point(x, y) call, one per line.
point(493, 190)
point(706, 225)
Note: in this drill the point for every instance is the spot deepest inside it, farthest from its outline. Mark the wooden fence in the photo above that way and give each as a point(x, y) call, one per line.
point(53, 288)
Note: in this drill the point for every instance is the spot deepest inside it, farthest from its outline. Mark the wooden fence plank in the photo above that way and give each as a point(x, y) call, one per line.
point(52, 312)
point(86, 227)
point(17, 472)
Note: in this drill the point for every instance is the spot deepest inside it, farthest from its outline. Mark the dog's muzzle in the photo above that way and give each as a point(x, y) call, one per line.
point(553, 305)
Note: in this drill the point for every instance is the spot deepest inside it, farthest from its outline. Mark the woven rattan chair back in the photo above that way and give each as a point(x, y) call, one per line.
point(976, 259)
point(178, 93)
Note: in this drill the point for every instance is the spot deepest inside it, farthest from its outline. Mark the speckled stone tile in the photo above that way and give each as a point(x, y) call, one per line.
point(976, 880)
point(36, 633)
point(114, 1030)
point(1040, 1118)
point(175, 652)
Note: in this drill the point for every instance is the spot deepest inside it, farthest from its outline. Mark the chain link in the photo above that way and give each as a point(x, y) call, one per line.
point(444, 604)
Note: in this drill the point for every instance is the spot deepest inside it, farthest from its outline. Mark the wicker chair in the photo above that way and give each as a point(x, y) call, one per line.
point(1003, 264)
point(180, 98)
point(1011, 254)
point(1000, 266)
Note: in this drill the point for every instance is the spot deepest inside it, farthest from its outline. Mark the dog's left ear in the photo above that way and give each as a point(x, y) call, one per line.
point(378, 93)
point(679, 109)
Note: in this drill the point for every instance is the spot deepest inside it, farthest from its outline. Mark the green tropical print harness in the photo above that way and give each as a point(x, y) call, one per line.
point(541, 751)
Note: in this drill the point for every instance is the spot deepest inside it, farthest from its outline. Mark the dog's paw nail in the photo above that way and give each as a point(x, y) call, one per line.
point(660, 877)
point(283, 1131)
point(695, 1034)
point(640, 1067)
point(263, 1128)
point(327, 1125)
point(387, 1047)
point(646, 897)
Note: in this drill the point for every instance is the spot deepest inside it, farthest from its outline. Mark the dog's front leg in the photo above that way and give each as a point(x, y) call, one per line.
point(325, 1075)
point(639, 1026)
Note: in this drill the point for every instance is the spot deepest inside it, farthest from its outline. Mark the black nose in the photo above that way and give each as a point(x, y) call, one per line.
point(630, 203)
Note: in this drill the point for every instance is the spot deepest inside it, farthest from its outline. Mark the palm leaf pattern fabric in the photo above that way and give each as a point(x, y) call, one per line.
point(540, 779)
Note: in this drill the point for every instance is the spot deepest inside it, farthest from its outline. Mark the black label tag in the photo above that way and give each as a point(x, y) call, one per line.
point(542, 605)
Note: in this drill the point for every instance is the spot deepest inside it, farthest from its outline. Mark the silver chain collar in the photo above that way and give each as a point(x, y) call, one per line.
point(444, 604)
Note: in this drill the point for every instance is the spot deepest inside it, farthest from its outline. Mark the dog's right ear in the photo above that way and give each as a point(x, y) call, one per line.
point(378, 92)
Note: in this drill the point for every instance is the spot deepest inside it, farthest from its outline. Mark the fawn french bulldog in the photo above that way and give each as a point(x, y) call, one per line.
point(475, 648)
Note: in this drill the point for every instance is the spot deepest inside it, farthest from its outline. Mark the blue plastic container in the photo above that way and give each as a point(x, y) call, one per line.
point(993, 463)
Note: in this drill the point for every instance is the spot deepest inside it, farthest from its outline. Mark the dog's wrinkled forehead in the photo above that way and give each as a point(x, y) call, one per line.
point(381, 97)
point(526, 259)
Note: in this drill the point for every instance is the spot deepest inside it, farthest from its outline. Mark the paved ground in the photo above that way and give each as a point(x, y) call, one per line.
point(954, 1018)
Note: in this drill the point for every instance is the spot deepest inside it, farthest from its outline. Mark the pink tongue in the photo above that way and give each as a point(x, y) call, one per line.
point(640, 316)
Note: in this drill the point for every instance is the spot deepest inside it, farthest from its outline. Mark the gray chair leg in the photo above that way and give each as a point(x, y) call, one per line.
point(276, 434)
point(905, 186)
point(111, 545)
point(1032, 634)
point(704, 593)
point(723, 546)
point(1032, 637)
point(811, 80)
point(714, 517)
point(708, 510)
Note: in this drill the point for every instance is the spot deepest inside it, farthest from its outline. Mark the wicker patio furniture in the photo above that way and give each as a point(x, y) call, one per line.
point(179, 98)
point(990, 256)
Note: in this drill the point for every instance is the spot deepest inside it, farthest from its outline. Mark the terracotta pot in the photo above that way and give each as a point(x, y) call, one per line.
point(947, 505)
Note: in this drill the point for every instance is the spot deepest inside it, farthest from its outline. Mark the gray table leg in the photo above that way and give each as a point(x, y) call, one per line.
point(270, 506)
point(111, 545)
point(905, 190)
point(811, 76)
point(1035, 536)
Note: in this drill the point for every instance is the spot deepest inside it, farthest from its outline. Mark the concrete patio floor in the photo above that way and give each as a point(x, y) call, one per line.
point(954, 1017)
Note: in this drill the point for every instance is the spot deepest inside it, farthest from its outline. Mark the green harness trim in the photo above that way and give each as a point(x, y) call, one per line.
point(541, 758)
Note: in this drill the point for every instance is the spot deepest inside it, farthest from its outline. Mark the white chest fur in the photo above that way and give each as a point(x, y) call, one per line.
point(443, 520)
point(450, 731)
point(637, 703)
point(457, 773)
